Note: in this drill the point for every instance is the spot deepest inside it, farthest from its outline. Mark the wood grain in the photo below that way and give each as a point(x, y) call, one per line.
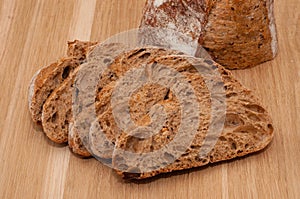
point(33, 33)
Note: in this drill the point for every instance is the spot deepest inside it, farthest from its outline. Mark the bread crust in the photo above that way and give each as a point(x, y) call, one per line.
point(236, 34)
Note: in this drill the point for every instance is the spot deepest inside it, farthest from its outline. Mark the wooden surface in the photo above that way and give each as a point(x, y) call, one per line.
point(33, 33)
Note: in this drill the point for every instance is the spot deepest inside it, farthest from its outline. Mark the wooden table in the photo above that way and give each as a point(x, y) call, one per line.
point(33, 33)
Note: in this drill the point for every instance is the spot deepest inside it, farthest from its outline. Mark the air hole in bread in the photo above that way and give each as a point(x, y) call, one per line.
point(169, 157)
point(106, 61)
point(66, 72)
point(233, 120)
point(54, 117)
point(255, 108)
point(50, 91)
point(224, 72)
point(145, 56)
point(112, 75)
point(167, 96)
point(253, 117)
point(229, 95)
point(270, 127)
point(136, 53)
point(222, 138)
point(233, 146)
point(246, 129)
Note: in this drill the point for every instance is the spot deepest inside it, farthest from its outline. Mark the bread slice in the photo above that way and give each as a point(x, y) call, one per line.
point(57, 112)
point(237, 34)
point(57, 116)
point(247, 129)
point(116, 70)
point(46, 80)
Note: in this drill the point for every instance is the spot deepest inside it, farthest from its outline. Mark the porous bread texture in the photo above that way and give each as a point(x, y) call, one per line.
point(237, 34)
point(80, 49)
point(57, 111)
point(46, 80)
point(57, 117)
point(248, 127)
point(106, 85)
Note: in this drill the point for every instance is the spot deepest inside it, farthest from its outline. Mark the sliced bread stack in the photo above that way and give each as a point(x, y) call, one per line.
point(247, 125)
point(49, 85)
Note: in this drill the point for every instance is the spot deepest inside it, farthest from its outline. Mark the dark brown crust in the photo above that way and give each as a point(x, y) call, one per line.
point(237, 34)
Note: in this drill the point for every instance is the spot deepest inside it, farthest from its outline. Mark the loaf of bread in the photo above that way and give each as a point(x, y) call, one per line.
point(237, 34)
point(247, 129)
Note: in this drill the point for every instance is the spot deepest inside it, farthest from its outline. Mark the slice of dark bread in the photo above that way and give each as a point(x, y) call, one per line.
point(57, 111)
point(116, 70)
point(237, 34)
point(46, 80)
point(247, 129)
point(57, 116)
